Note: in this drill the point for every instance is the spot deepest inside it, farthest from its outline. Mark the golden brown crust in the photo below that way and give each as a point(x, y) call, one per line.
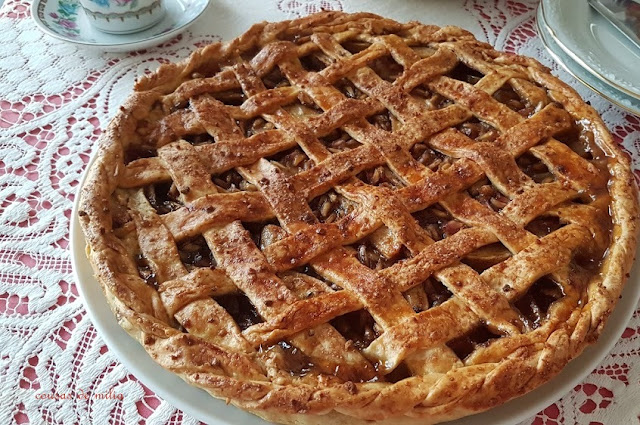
point(178, 315)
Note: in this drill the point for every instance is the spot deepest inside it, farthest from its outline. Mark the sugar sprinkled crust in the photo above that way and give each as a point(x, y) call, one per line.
point(397, 153)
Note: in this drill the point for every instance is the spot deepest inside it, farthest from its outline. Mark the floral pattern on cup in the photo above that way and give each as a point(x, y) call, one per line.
point(65, 17)
point(132, 4)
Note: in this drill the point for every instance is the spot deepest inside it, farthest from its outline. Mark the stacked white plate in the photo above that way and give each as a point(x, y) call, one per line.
point(591, 49)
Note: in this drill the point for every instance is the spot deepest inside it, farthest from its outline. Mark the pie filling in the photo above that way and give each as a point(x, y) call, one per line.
point(291, 359)
point(239, 307)
point(357, 327)
point(339, 141)
point(371, 257)
point(466, 344)
point(430, 158)
point(535, 168)
point(135, 153)
point(428, 294)
point(196, 253)
point(437, 222)
point(145, 271)
point(488, 256)
point(331, 206)
point(534, 305)
point(485, 193)
point(478, 130)
point(232, 181)
point(163, 197)
point(381, 176)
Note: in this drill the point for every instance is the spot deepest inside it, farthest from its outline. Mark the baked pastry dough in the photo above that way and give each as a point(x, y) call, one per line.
point(344, 219)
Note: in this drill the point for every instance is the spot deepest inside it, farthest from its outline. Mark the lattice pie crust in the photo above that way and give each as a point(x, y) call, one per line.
point(343, 218)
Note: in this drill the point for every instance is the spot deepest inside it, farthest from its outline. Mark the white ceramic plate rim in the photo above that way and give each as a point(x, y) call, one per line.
point(205, 408)
point(579, 73)
point(129, 45)
point(588, 46)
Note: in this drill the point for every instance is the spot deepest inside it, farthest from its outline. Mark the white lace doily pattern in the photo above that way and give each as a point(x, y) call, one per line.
point(55, 97)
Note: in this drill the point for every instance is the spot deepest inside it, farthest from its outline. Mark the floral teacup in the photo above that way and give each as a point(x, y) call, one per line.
point(123, 16)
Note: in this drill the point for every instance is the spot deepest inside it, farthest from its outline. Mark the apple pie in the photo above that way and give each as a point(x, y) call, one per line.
point(345, 219)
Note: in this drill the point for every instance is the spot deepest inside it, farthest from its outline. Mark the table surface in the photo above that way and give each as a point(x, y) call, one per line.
point(55, 98)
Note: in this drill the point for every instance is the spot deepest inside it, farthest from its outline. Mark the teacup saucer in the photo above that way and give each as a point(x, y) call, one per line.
point(66, 20)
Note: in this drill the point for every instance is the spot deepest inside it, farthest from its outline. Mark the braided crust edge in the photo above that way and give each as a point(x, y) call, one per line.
point(428, 399)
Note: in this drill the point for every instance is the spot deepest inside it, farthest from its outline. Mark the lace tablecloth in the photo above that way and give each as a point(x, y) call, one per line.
point(55, 98)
